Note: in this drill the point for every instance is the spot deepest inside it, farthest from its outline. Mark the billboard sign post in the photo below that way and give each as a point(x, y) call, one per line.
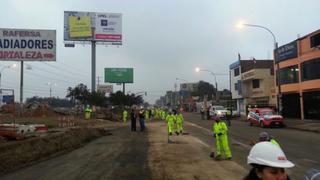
point(118, 75)
point(27, 45)
point(105, 28)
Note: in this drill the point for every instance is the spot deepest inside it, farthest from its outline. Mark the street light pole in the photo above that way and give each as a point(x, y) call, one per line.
point(275, 44)
point(212, 73)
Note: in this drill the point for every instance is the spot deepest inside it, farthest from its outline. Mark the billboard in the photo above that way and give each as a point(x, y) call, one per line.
point(105, 88)
point(91, 26)
point(27, 45)
point(118, 75)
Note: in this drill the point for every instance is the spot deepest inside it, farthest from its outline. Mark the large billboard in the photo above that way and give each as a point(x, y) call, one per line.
point(91, 26)
point(118, 75)
point(27, 45)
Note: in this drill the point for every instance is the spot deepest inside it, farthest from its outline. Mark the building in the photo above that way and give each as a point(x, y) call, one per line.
point(252, 84)
point(299, 63)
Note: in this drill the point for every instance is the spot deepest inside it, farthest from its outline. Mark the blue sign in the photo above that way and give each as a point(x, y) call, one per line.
point(8, 99)
point(287, 51)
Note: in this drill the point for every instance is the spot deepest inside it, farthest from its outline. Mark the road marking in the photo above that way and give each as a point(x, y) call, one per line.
point(309, 160)
point(209, 132)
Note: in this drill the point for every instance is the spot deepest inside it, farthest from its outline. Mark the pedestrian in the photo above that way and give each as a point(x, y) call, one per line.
point(125, 115)
point(264, 136)
point(220, 132)
point(179, 123)
point(228, 116)
point(133, 119)
point(141, 118)
point(208, 112)
point(312, 174)
point(202, 112)
point(268, 161)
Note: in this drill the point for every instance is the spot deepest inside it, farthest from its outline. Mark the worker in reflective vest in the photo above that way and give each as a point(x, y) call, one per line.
point(220, 132)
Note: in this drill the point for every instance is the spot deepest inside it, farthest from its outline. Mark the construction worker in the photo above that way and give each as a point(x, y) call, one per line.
point(156, 113)
point(179, 123)
point(147, 114)
point(220, 132)
point(170, 123)
point(163, 115)
point(87, 112)
point(125, 115)
point(264, 136)
point(268, 161)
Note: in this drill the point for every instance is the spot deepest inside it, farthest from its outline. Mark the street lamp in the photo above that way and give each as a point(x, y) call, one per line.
point(5, 67)
point(241, 25)
point(212, 73)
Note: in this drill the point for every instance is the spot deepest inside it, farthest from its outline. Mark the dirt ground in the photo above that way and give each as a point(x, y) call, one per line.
point(135, 156)
point(186, 158)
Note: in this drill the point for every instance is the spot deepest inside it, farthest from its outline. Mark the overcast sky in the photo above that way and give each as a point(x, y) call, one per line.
point(162, 40)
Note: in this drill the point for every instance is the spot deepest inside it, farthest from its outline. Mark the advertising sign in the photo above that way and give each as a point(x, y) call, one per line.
point(27, 45)
point(91, 26)
point(118, 75)
point(286, 51)
point(105, 88)
point(79, 26)
point(108, 27)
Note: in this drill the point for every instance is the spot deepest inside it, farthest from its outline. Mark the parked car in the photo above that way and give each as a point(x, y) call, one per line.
point(264, 117)
point(218, 111)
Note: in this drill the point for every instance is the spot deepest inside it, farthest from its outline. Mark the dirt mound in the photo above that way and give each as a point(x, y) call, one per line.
point(14, 155)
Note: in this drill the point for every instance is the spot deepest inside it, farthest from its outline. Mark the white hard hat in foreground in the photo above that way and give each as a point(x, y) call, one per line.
point(268, 154)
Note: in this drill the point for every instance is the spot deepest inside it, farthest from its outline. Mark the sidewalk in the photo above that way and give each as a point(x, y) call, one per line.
point(303, 125)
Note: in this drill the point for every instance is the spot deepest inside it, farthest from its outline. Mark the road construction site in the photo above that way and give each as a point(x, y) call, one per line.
point(104, 149)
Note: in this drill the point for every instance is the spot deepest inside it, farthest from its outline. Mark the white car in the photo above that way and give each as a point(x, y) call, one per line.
point(218, 111)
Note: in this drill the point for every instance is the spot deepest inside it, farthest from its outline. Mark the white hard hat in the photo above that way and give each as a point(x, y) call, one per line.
point(268, 154)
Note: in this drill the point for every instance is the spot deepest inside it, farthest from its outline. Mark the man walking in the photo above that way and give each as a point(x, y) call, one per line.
point(133, 119)
point(141, 118)
point(220, 131)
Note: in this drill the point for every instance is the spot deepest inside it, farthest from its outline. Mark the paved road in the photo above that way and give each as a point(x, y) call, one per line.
point(122, 155)
point(301, 147)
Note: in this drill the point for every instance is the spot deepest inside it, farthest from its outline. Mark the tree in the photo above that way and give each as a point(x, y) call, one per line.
point(97, 98)
point(205, 88)
point(80, 93)
point(119, 98)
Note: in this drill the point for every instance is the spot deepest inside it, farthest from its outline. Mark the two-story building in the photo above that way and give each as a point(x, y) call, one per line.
point(299, 63)
point(252, 84)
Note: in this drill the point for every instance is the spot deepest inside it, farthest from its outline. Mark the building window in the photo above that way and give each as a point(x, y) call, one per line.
point(289, 75)
point(236, 72)
point(315, 40)
point(255, 83)
point(236, 86)
point(310, 69)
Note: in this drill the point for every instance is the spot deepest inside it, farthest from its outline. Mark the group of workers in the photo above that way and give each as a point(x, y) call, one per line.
point(266, 157)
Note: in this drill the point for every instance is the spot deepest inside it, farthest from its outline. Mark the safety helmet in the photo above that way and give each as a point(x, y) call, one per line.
point(264, 136)
point(268, 154)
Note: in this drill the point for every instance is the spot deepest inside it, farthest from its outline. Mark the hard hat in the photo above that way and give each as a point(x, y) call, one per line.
point(264, 136)
point(268, 154)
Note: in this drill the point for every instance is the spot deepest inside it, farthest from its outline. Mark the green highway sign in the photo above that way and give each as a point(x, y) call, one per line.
point(118, 75)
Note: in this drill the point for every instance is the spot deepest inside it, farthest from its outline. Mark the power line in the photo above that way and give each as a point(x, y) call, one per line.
point(59, 74)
